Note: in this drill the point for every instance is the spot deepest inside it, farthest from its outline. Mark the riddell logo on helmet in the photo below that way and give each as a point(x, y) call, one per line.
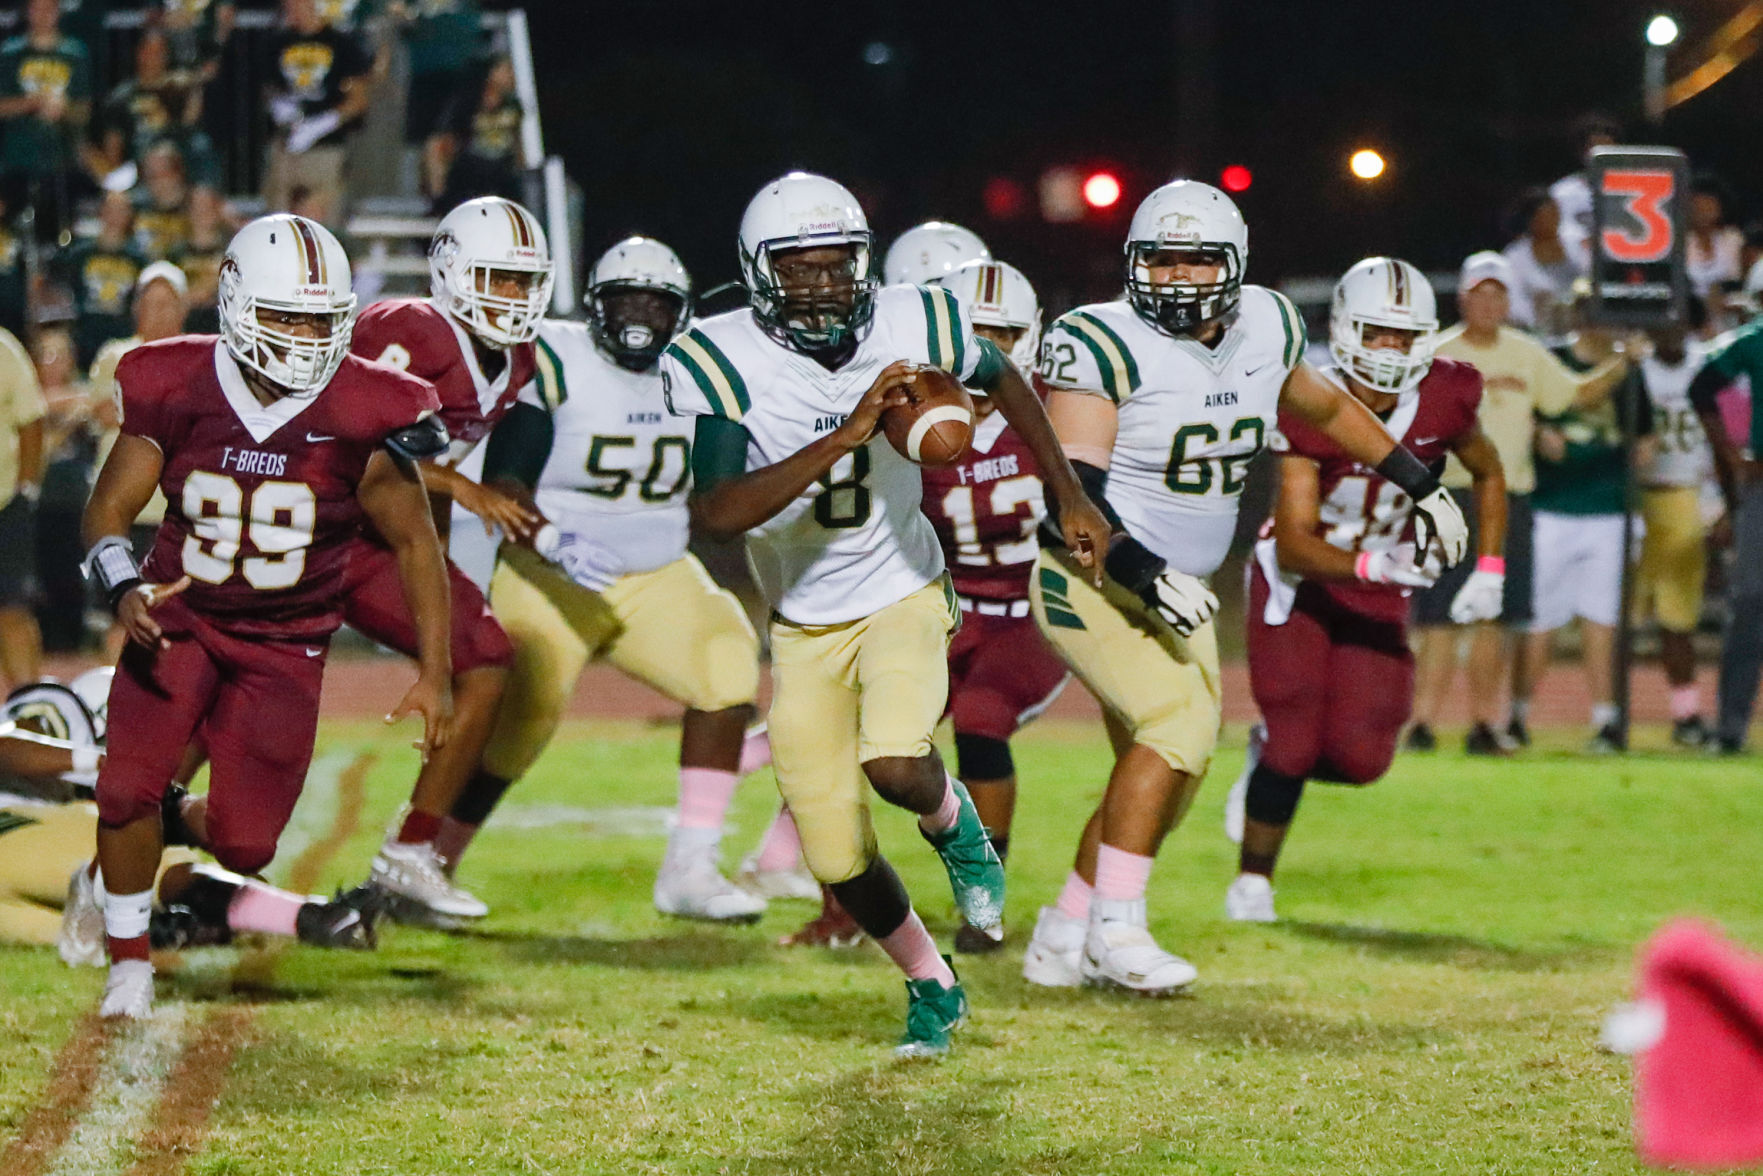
point(1178, 226)
point(312, 291)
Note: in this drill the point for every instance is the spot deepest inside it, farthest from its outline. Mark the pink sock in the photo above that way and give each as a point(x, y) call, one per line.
point(911, 947)
point(453, 840)
point(755, 753)
point(947, 813)
point(1686, 702)
point(263, 908)
point(1074, 900)
point(782, 847)
point(704, 795)
point(1121, 875)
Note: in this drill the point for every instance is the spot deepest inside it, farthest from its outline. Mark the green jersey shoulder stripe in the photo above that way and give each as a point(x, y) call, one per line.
point(10, 821)
point(552, 390)
point(1293, 323)
point(716, 377)
point(942, 329)
point(1120, 372)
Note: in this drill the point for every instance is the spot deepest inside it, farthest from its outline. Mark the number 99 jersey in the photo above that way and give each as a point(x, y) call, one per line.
point(855, 541)
point(1192, 416)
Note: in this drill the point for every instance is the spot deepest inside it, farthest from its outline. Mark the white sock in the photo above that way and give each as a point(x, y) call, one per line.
point(1603, 715)
point(1521, 710)
point(126, 915)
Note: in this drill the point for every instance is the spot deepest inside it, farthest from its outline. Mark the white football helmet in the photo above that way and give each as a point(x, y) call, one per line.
point(996, 294)
point(803, 211)
point(926, 254)
point(49, 708)
point(93, 688)
point(636, 263)
point(1383, 292)
point(286, 263)
point(481, 236)
point(1193, 217)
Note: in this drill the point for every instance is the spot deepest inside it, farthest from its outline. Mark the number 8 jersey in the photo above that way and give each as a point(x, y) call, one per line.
point(260, 499)
point(856, 541)
point(1192, 416)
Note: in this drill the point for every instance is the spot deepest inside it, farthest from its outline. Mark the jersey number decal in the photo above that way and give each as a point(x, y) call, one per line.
point(1682, 432)
point(1056, 361)
point(1007, 495)
point(1198, 476)
point(1369, 509)
point(664, 479)
point(844, 501)
point(280, 522)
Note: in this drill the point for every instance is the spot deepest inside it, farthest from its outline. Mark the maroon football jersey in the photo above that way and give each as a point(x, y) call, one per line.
point(985, 509)
point(417, 336)
point(1361, 511)
point(261, 504)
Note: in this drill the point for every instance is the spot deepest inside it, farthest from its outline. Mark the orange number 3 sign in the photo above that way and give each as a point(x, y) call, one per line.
point(1644, 194)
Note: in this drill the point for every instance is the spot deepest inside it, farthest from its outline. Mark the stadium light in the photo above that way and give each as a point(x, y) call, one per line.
point(1661, 31)
point(1101, 190)
point(1366, 164)
point(1236, 178)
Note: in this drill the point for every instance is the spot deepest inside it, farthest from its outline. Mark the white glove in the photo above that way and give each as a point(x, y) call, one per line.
point(1182, 600)
point(1399, 565)
point(591, 564)
point(284, 110)
point(1480, 597)
point(1437, 519)
point(305, 134)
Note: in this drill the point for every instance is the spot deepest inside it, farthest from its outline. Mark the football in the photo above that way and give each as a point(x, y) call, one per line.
point(935, 426)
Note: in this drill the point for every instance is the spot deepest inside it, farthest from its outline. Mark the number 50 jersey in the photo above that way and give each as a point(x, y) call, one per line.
point(855, 541)
point(1192, 417)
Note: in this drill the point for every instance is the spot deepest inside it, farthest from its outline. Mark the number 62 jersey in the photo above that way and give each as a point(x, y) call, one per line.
point(1192, 416)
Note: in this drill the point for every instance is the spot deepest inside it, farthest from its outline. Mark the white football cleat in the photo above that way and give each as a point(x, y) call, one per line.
point(81, 942)
point(794, 884)
point(412, 873)
point(1250, 900)
point(1236, 804)
point(1120, 953)
point(1054, 958)
point(128, 992)
point(691, 887)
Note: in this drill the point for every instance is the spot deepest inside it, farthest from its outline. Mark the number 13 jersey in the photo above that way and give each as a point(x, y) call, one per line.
point(1192, 416)
point(855, 541)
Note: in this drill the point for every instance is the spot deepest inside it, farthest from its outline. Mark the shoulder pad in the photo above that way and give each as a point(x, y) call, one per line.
point(425, 439)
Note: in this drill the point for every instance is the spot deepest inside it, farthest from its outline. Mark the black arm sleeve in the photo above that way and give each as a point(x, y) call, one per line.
point(520, 446)
point(1130, 563)
point(1706, 388)
point(422, 441)
point(1408, 472)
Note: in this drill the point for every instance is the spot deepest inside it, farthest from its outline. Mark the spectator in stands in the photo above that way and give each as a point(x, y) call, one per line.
point(100, 272)
point(69, 445)
point(162, 202)
point(318, 96)
point(1573, 192)
point(197, 32)
point(200, 258)
point(155, 105)
point(21, 481)
point(1582, 464)
point(445, 42)
point(12, 276)
point(1519, 378)
point(477, 150)
point(45, 99)
point(1715, 247)
point(159, 309)
point(1543, 271)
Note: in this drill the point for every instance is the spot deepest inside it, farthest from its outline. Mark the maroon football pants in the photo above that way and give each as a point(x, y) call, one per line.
point(256, 702)
point(373, 605)
point(1334, 686)
point(1002, 673)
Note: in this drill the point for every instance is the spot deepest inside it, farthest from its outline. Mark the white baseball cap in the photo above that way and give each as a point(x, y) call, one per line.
point(167, 272)
point(1481, 267)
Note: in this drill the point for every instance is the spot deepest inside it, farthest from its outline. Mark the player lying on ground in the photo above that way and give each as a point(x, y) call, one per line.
point(1162, 399)
point(788, 394)
point(592, 448)
point(1329, 662)
point(273, 447)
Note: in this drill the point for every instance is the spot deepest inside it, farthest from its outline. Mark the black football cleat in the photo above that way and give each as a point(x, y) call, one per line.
point(349, 921)
point(1482, 740)
point(1517, 733)
point(177, 927)
point(1691, 732)
point(1421, 738)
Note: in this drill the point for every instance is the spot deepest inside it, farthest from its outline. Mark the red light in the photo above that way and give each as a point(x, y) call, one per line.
point(1236, 178)
point(1004, 198)
point(1101, 190)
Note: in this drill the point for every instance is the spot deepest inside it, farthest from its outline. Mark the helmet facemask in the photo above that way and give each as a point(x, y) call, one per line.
point(1387, 369)
point(299, 365)
point(634, 321)
point(825, 314)
point(497, 321)
point(1182, 308)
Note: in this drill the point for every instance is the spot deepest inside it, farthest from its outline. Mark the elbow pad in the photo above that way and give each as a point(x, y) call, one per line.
point(425, 440)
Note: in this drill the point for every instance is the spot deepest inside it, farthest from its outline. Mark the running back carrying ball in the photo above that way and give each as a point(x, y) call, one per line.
point(936, 424)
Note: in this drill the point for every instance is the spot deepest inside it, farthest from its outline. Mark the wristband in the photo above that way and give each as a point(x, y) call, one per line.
point(1131, 564)
point(1407, 472)
point(1491, 563)
point(111, 562)
point(1362, 565)
point(85, 759)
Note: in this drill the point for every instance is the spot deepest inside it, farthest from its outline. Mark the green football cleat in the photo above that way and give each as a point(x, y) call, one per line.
point(932, 1014)
point(975, 873)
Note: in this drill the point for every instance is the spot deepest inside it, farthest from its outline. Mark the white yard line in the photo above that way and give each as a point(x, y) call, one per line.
point(136, 1063)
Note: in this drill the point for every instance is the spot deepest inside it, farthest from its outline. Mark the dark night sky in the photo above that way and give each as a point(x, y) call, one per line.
point(671, 115)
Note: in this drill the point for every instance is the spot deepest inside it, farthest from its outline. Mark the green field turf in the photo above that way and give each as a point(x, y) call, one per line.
point(1453, 939)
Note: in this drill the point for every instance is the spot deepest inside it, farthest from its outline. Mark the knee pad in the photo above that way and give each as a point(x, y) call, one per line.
point(1273, 797)
point(875, 898)
point(981, 757)
point(243, 859)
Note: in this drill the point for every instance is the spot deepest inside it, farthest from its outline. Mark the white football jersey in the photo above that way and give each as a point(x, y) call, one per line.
point(856, 541)
point(1682, 456)
point(1192, 417)
point(620, 465)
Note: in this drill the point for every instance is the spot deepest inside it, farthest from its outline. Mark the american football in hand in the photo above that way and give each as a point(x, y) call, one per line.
point(934, 427)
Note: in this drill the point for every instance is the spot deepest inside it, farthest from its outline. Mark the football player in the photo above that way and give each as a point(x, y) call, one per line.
point(591, 447)
point(1328, 589)
point(926, 254)
point(1162, 398)
point(472, 338)
point(787, 395)
point(273, 446)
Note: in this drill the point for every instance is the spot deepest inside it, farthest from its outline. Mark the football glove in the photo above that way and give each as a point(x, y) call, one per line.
point(1399, 565)
point(1182, 600)
point(1480, 597)
point(1437, 519)
point(591, 564)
